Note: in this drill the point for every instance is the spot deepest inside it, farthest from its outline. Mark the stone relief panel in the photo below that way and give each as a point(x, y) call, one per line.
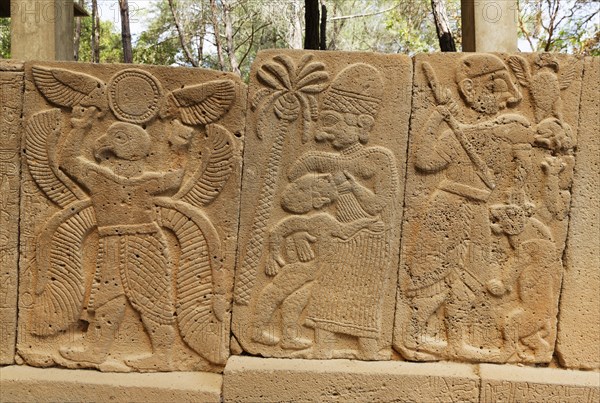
point(487, 201)
point(129, 208)
point(323, 181)
point(11, 93)
point(578, 341)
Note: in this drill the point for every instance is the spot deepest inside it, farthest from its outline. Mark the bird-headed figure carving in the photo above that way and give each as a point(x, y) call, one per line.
point(100, 173)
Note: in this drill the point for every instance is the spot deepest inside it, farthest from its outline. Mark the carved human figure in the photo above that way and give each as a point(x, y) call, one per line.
point(118, 200)
point(451, 268)
point(348, 292)
point(534, 273)
point(294, 272)
point(134, 263)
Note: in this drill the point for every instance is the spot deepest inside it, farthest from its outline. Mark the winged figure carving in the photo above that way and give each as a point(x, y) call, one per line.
point(187, 295)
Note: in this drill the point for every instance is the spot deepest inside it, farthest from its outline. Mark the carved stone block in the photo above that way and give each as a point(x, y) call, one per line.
point(129, 215)
point(490, 168)
point(510, 383)
point(251, 379)
point(323, 181)
point(27, 384)
point(11, 94)
point(578, 344)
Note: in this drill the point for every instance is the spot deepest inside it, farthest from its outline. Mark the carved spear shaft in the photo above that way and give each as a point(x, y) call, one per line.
point(481, 168)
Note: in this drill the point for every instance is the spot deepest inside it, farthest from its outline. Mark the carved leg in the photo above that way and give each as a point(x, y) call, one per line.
point(162, 337)
point(416, 345)
point(100, 335)
point(456, 319)
point(291, 309)
point(290, 279)
point(369, 350)
point(324, 340)
point(542, 351)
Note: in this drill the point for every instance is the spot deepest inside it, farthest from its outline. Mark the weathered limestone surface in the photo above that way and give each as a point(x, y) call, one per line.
point(251, 379)
point(486, 210)
point(121, 217)
point(508, 383)
point(323, 179)
point(578, 344)
point(129, 216)
point(27, 384)
point(11, 92)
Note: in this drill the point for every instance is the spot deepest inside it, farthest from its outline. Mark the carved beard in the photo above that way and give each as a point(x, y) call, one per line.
point(486, 103)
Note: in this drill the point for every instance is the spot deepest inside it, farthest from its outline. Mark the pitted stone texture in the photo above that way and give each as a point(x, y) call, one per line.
point(11, 96)
point(578, 343)
point(508, 383)
point(250, 379)
point(27, 384)
point(486, 210)
point(323, 181)
point(129, 216)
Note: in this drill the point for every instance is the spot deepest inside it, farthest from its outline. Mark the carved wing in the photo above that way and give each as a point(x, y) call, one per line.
point(65, 87)
point(199, 279)
point(60, 284)
point(204, 103)
point(567, 76)
point(41, 137)
point(210, 177)
point(520, 67)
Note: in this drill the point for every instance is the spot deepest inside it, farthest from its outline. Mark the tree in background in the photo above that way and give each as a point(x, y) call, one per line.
point(4, 38)
point(219, 34)
point(125, 31)
point(109, 43)
point(227, 34)
point(442, 26)
point(560, 25)
point(312, 24)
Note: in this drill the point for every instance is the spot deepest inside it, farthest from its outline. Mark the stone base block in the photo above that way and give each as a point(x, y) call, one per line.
point(508, 383)
point(249, 379)
point(27, 384)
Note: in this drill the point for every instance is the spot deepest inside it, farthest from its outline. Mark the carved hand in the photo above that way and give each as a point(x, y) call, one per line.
point(376, 225)
point(552, 166)
point(345, 182)
point(445, 112)
point(302, 241)
point(274, 262)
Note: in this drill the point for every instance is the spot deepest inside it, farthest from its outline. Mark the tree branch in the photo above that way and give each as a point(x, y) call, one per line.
point(347, 17)
point(186, 51)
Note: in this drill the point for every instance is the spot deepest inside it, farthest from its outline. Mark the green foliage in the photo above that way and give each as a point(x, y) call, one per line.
point(571, 26)
point(4, 38)
point(391, 26)
point(111, 49)
point(158, 44)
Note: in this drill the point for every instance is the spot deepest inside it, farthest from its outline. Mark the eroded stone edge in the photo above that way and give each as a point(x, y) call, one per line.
point(11, 99)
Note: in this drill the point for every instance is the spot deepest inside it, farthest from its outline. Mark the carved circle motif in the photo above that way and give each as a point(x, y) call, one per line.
point(134, 96)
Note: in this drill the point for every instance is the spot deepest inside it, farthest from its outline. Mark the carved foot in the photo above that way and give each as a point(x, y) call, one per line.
point(465, 351)
point(418, 355)
point(375, 356)
point(296, 343)
point(91, 356)
point(155, 362)
point(266, 338)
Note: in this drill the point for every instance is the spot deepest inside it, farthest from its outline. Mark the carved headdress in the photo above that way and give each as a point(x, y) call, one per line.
point(357, 89)
point(478, 65)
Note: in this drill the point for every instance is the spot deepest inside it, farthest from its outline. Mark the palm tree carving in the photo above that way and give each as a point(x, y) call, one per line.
point(290, 93)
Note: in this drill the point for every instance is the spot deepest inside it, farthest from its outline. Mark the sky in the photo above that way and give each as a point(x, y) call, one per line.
point(138, 9)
